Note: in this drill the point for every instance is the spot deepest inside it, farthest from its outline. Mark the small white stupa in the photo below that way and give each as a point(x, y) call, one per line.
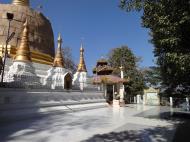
point(22, 71)
point(58, 77)
point(80, 77)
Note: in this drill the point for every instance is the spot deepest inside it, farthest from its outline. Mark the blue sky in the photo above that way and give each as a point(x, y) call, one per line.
point(101, 23)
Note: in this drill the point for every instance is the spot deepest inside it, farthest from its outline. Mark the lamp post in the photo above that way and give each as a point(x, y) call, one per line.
point(10, 17)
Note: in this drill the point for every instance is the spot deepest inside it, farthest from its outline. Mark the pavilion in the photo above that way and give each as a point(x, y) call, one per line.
point(112, 85)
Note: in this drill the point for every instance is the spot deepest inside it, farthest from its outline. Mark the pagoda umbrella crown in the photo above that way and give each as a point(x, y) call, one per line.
point(21, 2)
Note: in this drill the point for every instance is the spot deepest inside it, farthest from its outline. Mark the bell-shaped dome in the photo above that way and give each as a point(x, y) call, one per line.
point(41, 39)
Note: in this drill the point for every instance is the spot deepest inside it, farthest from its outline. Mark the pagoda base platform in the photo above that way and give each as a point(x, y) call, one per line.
point(17, 104)
point(22, 74)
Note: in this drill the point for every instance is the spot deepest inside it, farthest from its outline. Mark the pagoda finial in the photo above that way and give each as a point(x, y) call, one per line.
point(81, 66)
point(58, 60)
point(23, 51)
point(21, 2)
point(81, 48)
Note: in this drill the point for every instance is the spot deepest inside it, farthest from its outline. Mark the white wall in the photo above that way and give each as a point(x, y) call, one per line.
point(20, 102)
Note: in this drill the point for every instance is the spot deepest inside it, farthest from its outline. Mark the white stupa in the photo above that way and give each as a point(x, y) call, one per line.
point(58, 77)
point(80, 77)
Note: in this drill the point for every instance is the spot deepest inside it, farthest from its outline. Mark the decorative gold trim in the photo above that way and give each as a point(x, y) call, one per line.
point(42, 61)
point(21, 2)
point(36, 56)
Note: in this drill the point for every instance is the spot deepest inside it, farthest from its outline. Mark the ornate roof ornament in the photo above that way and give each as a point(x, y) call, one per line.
point(102, 67)
point(23, 51)
point(21, 2)
point(81, 65)
point(58, 60)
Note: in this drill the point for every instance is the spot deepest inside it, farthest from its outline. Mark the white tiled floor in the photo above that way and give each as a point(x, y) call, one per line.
point(86, 125)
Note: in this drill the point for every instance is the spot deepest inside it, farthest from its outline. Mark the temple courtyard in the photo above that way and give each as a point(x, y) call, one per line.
point(130, 123)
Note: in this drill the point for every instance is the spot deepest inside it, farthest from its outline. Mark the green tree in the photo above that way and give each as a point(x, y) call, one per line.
point(152, 76)
point(169, 22)
point(125, 57)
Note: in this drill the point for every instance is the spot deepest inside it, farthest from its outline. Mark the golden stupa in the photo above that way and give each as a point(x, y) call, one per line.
point(23, 51)
point(58, 61)
point(81, 65)
point(41, 38)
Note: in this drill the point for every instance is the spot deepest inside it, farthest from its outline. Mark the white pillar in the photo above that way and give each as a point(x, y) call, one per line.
point(138, 99)
point(99, 88)
point(121, 88)
point(135, 101)
point(81, 86)
point(121, 93)
point(113, 92)
point(187, 102)
point(105, 89)
point(171, 101)
point(144, 99)
point(122, 75)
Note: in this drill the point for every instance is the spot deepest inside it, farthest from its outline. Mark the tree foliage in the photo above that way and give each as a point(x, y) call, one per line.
point(68, 59)
point(125, 57)
point(152, 76)
point(169, 24)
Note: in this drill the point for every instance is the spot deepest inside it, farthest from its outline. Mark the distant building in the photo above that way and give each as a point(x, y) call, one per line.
point(111, 84)
point(151, 96)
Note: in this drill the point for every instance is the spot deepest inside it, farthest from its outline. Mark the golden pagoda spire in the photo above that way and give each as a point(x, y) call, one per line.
point(81, 66)
point(21, 2)
point(58, 60)
point(23, 51)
